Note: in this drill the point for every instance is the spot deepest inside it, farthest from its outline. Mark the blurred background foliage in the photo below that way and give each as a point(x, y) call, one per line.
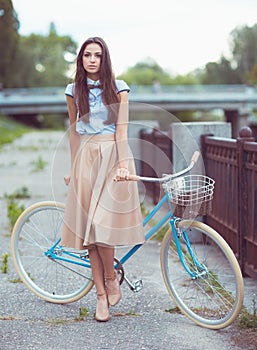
point(49, 61)
point(37, 60)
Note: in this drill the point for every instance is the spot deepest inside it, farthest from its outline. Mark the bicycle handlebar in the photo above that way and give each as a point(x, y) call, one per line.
point(166, 177)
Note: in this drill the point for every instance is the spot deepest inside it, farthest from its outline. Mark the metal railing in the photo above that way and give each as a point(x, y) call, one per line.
point(233, 165)
point(169, 97)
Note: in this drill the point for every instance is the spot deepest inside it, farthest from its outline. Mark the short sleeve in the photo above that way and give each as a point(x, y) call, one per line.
point(69, 91)
point(121, 85)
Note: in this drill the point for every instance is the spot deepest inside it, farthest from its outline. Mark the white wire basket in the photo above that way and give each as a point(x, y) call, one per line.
point(190, 195)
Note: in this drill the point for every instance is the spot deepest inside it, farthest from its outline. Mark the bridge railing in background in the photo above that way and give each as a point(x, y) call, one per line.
point(236, 101)
point(142, 89)
point(137, 89)
point(233, 165)
point(37, 91)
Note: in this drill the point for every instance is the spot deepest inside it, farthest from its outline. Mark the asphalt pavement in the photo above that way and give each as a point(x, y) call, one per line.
point(139, 321)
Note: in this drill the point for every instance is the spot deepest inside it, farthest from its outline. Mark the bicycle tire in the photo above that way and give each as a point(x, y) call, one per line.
point(34, 233)
point(214, 300)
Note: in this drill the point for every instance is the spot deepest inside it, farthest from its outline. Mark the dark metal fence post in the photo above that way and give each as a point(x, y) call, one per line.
point(203, 148)
point(205, 159)
point(245, 134)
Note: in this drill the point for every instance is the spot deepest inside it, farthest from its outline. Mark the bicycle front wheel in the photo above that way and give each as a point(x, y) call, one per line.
point(214, 298)
point(37, 229)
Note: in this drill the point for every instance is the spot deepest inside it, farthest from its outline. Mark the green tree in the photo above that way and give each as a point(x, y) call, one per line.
point(146, 73)
point(244, 50)
point(42, 59)
point(9, 38)
point(252, 75)
point(188, 79)
point(219, 73)
point(239, 69)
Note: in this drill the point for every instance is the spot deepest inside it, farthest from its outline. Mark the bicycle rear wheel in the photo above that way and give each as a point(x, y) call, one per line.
point(214, 299)
point(37, 229)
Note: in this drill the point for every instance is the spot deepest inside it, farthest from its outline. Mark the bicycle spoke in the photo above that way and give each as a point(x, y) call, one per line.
point(214, 297)
point(37, 230)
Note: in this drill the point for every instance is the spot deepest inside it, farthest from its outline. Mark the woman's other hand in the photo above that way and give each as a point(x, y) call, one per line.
point(66, 179)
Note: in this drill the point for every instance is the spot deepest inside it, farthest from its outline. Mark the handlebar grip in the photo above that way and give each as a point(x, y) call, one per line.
point(133, 178)
point(195, 157)
point(130, 178)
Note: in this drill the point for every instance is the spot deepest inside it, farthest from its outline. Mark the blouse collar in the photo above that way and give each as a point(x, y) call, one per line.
point(93, 82)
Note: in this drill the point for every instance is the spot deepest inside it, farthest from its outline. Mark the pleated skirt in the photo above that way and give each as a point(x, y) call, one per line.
point(98, 209)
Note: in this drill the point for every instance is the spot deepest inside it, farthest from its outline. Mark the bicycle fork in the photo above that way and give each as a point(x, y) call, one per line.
point(201, 269)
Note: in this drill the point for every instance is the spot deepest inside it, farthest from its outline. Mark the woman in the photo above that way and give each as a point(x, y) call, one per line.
point(100, 213)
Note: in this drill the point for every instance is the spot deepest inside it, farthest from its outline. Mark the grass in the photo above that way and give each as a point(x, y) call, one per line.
point(30, 148)
point(129, 313)
point(248, 319)
point(14, 209)
point(4, 267)
point(57, 322)
point(83, 314)
point(174, 310)
point(10, 130)
point(20, 193)
point(15, 280)
point(39, 164)
point(10, 318)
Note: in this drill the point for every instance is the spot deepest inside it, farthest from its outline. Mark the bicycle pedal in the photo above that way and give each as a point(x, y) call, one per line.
point(84, 256)
point(138, 285)
point(134, 286)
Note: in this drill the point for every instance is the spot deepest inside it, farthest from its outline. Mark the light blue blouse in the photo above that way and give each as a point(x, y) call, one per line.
point(98, 111)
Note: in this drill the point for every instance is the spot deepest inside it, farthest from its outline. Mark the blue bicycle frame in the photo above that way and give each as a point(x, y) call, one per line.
point(57, 252)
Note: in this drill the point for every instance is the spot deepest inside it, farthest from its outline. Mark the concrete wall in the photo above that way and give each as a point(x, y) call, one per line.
point(185, 137)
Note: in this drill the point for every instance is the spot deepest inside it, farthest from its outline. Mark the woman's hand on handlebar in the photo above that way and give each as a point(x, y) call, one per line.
point(122, 174)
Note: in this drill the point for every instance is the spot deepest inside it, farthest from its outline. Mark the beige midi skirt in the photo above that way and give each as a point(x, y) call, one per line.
point(98, 209)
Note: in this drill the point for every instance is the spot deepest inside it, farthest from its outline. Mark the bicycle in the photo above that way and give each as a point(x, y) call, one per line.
point(200, 270)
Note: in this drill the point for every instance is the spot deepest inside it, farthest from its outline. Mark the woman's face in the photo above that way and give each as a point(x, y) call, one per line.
point(92, 60)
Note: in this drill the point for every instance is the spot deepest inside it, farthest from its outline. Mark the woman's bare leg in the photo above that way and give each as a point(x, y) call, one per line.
point(111, 280)
point(102, 307)
point(97, 269)
point(107, 256)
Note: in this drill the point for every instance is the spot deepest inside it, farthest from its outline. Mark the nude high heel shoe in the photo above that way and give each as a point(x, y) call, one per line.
point(102, 313)
point(113, 289)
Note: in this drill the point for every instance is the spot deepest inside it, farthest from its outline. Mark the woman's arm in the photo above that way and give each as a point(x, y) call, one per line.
point(74, 137)
point(122, 136)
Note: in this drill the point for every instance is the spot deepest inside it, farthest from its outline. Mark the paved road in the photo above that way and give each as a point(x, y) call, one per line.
point(138, 322)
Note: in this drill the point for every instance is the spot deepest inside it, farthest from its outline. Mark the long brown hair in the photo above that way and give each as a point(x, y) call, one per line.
point(107, 81)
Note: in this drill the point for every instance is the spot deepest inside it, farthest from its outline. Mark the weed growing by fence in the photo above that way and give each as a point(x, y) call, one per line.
point(248, 319)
